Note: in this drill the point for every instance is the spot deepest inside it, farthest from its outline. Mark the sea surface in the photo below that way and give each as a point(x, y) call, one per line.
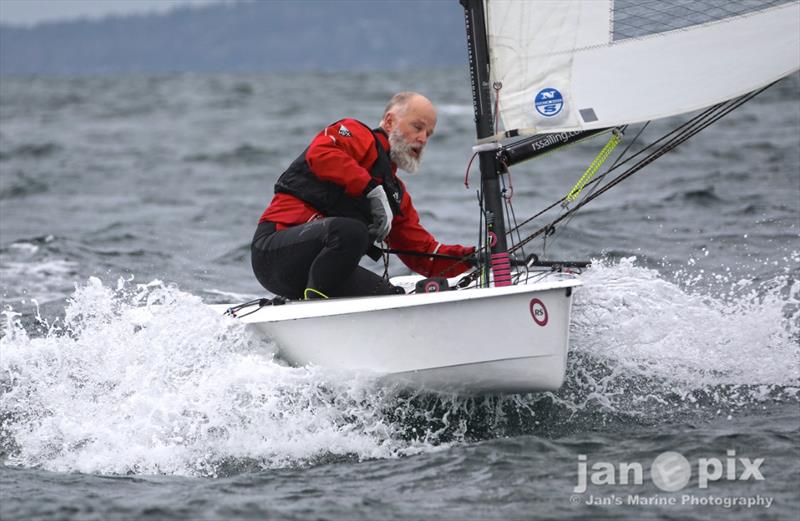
point(132, 194)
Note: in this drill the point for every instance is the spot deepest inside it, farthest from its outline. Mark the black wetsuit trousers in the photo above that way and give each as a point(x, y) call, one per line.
point(322, 255)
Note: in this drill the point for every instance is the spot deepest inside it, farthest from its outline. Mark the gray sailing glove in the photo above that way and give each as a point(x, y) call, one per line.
point(381, 214)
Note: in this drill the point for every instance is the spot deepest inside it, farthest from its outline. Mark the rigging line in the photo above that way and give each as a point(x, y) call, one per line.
point(627, 148)
point(635, 168)
point(676, 131)
point(511, 217)
point(694, 127)
point(722, 109)
point(619, 133)
point(412, 253)
point(456, 259)
point(594, 167)
point(529, 219)
point(563, 199)
point(497, 86)
point(483, 237)
point(469, 166)
point(511, 214)
point(385, 265)
point(595, 186)
point(508, 206)
point(510, 181)
point(634, 140)
point(597, 180)
point(680, 128)
point(514, 217)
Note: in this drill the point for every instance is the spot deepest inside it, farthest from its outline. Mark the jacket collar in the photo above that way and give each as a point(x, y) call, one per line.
point(383, 137)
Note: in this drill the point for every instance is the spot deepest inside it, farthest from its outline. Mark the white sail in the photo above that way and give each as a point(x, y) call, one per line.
point(588, 64)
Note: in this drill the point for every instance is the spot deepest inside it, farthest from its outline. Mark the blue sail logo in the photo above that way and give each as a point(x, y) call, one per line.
point(549, 102)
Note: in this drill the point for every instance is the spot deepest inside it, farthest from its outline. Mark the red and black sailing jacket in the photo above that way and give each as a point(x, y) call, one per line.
point(331, 178)
point(329, 196)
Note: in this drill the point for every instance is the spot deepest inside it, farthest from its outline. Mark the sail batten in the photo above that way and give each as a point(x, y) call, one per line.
point(561, 68)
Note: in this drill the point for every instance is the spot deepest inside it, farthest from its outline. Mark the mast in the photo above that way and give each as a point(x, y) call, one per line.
point(477, 48)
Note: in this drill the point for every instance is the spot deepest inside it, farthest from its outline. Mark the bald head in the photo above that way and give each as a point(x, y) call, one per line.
point(402, 102)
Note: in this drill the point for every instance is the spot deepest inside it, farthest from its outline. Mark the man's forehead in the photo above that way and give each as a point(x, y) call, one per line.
point(421, 109)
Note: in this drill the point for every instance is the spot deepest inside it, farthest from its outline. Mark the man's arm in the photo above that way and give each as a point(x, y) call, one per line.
point(408, 234)
point(338, 152)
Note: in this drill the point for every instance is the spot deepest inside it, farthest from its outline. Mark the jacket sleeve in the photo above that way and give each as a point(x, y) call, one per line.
point(408, 234)
point(338, 152)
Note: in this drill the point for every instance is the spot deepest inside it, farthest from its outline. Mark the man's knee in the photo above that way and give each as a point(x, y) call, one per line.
point(348, 234)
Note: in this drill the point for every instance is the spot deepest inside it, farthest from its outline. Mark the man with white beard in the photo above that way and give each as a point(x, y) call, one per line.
point(339, 197)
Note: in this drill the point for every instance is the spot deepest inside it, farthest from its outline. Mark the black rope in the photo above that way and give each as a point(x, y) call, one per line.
point(681, 134)
point(423, 254)
point(598, 179)
point(258, 303)
point(592, 186)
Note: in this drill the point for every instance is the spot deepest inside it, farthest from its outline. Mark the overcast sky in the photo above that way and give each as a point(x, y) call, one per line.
point(29, 12)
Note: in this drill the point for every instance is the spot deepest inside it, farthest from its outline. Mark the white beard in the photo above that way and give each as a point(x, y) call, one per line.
point(400, 152)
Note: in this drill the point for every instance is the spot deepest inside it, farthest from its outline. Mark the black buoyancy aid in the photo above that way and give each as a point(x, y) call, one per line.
point(330, 198)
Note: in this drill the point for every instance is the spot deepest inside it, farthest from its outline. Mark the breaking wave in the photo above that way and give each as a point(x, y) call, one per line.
point(146, 379)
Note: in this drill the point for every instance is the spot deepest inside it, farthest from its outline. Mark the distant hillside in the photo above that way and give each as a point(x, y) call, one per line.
point(250, 36)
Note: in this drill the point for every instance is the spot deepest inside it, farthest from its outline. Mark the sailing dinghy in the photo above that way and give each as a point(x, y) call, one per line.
point(553, 73)
point(441, 341)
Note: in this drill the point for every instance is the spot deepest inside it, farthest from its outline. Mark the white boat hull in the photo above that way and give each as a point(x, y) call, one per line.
point(472, 341)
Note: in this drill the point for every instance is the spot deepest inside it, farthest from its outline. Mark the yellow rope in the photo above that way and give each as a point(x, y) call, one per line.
point(601, 158)
point(309, 293)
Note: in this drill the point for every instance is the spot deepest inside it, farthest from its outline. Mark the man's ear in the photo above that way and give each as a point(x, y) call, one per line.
point(389, 121)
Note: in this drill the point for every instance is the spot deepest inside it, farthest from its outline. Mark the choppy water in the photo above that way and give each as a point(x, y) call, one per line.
point(123, 195)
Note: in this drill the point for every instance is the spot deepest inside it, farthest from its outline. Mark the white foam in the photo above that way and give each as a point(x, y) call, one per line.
point(147, 379)
point(632, 315)
point(156, 382)
point(654, 338)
